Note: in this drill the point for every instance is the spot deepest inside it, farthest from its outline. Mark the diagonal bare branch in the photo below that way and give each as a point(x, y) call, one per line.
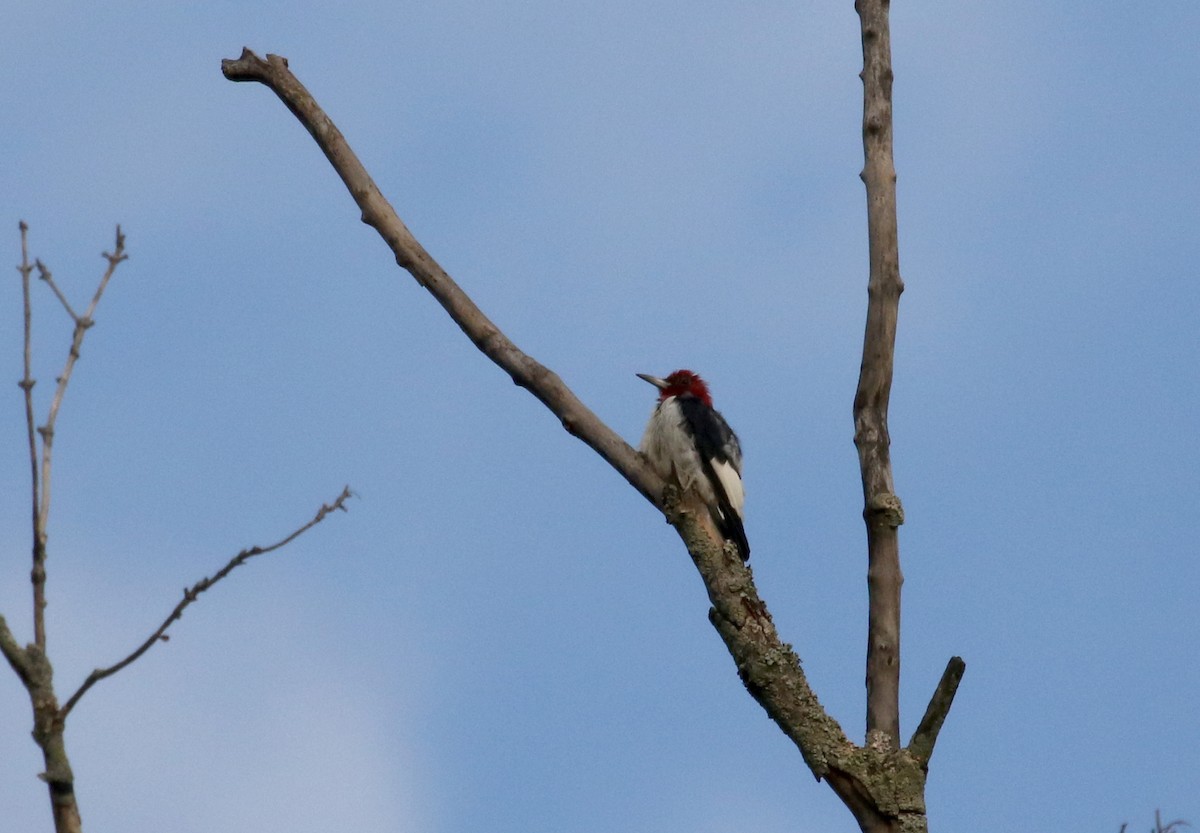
point(44, 274)
point(190, 595)
point(378, 213)
point(82, 324)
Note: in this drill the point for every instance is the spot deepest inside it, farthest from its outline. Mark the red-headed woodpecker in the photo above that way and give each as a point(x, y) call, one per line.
point(690, 444)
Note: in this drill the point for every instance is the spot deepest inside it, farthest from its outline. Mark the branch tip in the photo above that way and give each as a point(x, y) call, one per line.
point(248, 66)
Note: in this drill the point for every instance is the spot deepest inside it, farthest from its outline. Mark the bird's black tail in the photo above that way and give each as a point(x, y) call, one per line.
point(732, 528)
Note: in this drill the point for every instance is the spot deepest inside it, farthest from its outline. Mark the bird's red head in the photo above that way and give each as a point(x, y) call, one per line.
point(680, 383)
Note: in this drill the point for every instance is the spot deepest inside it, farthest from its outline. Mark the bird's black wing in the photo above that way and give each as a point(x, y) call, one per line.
point(715, 440)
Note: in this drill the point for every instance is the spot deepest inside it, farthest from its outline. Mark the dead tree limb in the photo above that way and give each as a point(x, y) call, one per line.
point(882, 510)
point(378, 213)
point(881, 784)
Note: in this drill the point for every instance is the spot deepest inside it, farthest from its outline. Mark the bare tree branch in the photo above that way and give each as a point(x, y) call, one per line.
point(38, 574)
point(882, 512)
point(40, 475)
point(190, 595)
point(378, 213)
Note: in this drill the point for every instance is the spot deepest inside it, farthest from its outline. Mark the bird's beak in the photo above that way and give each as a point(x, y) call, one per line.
point(661, 384)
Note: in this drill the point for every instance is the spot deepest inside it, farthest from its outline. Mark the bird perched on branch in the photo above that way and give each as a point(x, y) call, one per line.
point(690, 444)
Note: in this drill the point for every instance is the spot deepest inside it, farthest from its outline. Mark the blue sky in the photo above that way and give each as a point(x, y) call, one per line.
point(501, 635)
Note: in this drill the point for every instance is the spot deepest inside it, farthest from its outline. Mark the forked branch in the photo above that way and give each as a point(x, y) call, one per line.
point(41, 472)
point(769, 668)
point(82, 324)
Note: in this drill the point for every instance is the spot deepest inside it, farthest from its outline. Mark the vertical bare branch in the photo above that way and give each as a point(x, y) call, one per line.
point(38, 574)
point(882, 512)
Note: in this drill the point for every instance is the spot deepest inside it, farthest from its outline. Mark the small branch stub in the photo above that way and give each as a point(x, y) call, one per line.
point(923, 740)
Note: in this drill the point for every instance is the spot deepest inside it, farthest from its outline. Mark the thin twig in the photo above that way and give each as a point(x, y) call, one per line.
point(1170, 827)
point(38, 574)
point(82, 324)
point(190, 595)
point(45, 275)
